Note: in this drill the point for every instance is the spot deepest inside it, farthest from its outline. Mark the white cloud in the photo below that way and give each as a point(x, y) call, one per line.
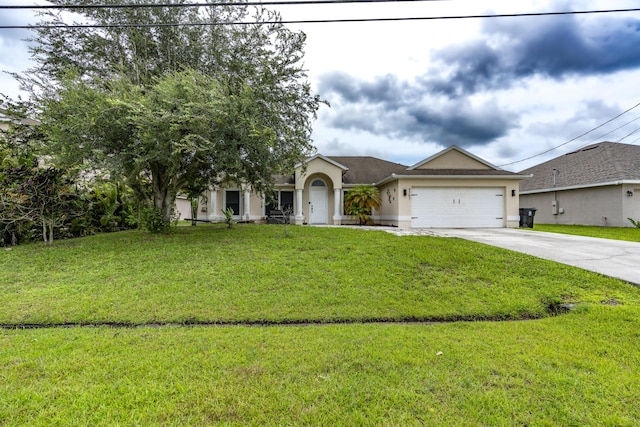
point(541, 111)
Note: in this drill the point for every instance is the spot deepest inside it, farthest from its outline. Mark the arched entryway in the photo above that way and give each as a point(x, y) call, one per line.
point(318, 202)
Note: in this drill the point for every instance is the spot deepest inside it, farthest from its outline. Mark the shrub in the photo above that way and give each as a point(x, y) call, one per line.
point(228, 217)
point(152, 221)
point(360, 201)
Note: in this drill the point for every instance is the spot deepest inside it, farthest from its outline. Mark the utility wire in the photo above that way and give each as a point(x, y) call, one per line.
point(573, 139)
point(608, 133)
point(628, 135)
point(207, 4)
point(319, 21)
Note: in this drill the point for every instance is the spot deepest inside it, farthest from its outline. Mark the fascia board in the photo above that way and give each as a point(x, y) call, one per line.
point(440, 177)
point(583, 186)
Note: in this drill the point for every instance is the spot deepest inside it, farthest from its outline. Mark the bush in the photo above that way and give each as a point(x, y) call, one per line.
point(360, 201)
point(153, 222)
point(228, 217)
point(71, 210)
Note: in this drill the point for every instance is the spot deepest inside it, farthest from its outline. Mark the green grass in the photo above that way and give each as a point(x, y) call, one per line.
point(577, 369)
point(256, 274)
point(616, 233)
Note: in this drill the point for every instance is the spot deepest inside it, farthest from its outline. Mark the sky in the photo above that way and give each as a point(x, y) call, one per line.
point(504, 89)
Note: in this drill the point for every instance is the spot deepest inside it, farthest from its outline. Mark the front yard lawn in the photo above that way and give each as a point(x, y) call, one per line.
point(616, 233)
point(255, 274)
point(579, 368)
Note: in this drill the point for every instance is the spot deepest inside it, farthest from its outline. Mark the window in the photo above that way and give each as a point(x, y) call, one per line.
point(318, 183)
point(233, 201)
point(286, 201)
point(281, 201)
point(271, 202)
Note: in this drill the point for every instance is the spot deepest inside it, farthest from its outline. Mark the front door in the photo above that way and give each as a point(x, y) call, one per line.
point(318, 202)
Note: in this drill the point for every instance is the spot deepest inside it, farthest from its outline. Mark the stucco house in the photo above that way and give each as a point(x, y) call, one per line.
point(596, 185)
point(5, 122)
point(453, 188)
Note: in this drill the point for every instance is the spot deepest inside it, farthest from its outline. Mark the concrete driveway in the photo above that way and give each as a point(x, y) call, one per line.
point(614, 258)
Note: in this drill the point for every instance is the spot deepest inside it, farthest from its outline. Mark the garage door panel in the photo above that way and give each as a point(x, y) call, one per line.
point(457, 207)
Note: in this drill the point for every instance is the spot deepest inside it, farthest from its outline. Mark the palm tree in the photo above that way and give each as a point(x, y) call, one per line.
point(360, 201)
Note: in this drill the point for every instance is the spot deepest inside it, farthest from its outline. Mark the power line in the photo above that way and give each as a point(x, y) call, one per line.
point(319, 21)
point(608, 133)
point(223, 3)
point(628, 135)
point(573, 139)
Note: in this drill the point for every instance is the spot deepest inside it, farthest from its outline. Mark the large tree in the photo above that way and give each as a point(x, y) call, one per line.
point(188, 96)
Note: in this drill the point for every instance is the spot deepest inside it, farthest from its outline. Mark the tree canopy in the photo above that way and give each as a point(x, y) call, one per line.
point(179, 104)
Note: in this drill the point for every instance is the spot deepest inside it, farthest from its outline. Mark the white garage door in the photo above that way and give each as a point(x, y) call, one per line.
point(457, 207)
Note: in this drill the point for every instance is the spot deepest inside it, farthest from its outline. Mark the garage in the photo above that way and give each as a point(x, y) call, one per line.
point(457, 207)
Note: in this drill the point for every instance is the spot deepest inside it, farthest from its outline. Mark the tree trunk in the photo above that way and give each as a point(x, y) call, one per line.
point(163, 193)
point(44, 230)
point(51, 230)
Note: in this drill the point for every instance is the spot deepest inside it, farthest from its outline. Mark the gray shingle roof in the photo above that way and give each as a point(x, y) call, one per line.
point(595, 164)
point(366, 170)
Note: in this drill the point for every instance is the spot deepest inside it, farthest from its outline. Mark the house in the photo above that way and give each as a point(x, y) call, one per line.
point(5, 122)
point(451, 189)
point(596, 185)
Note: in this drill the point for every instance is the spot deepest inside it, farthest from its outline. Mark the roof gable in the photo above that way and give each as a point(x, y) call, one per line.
point(453, 157)
point(600, 163)
point(321, 157)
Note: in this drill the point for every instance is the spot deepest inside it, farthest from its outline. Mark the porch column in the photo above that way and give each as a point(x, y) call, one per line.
point(247, 204)
point(213, 197)
point(299, 216)
point(337, 216)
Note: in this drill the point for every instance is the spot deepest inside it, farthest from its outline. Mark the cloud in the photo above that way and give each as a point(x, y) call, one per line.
point(456, 100)
point(382, 90)
point(455, 122)
point(14, 36)
point(386, 106)
point(555, 47)
point(589, 115)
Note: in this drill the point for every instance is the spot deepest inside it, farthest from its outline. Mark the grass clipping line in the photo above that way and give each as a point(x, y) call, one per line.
point(552, 310)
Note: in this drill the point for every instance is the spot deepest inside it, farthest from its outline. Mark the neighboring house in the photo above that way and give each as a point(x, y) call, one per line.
point(453, 189)
point(5, 122)
point(595, 185)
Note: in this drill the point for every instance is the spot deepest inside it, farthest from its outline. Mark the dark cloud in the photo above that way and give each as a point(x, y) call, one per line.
point(408, 112)
point(384, 89)
point(356, 119)
point(457, 123)
point(552, 47)
point(436, 106)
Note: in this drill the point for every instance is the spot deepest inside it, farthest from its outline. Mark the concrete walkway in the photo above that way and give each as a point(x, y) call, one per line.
point(613, 258)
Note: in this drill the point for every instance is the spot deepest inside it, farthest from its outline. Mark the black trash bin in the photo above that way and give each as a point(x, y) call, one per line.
point(526, 217)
